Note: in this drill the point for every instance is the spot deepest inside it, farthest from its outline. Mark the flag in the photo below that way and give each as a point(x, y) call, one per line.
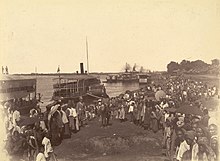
point(58, 69)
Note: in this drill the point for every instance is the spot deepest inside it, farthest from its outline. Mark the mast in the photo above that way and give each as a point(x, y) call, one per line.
point(87, 54)
point(36, 72)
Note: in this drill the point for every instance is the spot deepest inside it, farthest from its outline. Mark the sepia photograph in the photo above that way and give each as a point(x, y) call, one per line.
point(109, 80)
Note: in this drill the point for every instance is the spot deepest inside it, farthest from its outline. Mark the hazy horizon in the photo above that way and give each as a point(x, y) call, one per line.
point(74, 72)
point(150, 33)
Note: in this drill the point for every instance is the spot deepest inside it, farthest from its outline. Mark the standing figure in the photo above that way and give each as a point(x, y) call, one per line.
point(80, 111)
point(122, 113)
point(154, 120)
point(103, 115)
point(131, 112)
point(6, 70)
point(3, 70)
point(55, 130)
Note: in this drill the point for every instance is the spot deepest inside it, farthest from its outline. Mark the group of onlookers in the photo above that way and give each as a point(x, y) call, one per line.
point(185, 136)
point(34, 136)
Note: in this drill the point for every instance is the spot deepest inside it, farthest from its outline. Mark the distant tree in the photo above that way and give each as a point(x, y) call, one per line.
point(215, 62)
point(172, 66)
point(185, 65)
point(199, 64)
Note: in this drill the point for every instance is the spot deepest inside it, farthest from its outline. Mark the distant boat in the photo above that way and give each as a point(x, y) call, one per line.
point(126, 77)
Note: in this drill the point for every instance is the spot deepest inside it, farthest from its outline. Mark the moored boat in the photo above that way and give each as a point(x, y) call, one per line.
point(19, 92)
point(79, 85)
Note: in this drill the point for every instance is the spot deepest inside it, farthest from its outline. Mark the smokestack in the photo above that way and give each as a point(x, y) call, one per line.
point(81, 68)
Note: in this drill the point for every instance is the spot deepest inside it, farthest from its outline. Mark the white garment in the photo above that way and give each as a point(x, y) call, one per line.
point(40, 157)
point(126, 96)
point(131, 108)
point(8, 123)
point(47, 146)
point(184, 93)
point(183, 148)
point(73, 112)
point(42, 125)
point(195, 150)
point(16, 128)
point(15, 117)
point(166, 116)
point(64, 117)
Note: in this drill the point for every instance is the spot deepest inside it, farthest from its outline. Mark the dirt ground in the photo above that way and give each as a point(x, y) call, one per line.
point(120, 141)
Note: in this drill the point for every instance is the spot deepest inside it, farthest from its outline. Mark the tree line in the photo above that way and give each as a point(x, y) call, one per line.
point(194, 67)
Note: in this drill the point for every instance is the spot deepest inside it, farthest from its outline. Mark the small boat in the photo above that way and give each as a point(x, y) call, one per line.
point(19, 92)
point(79, 85)
point(126, 77)
point(144, 79)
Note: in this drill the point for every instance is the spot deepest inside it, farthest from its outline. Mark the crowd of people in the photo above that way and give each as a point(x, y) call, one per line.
point(155, 107)
point(187, 135)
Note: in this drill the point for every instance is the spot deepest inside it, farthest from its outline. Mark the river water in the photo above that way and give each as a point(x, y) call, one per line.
point(45, 87)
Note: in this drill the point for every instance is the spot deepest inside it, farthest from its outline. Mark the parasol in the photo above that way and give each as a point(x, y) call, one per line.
point(187, 109)
point(160, 94)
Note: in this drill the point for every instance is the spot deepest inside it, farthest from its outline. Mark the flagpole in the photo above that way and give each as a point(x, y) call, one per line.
point(58, 70)
point(87, 54)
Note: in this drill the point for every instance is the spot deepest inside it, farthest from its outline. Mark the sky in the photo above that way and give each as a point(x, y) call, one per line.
point(41, 34)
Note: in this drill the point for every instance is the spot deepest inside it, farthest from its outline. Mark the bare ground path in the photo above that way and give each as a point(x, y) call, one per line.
point(120, 141)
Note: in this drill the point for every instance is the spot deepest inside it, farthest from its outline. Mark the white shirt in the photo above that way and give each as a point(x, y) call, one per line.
point(183, 148)
point(73, 112)
point(47, 146)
